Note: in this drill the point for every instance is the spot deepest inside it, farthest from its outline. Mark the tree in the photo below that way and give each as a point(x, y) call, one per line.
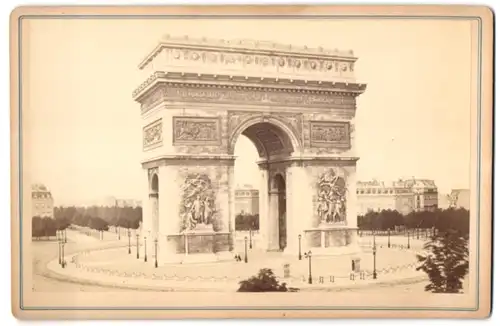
point(37, 227)
point(446, 263)
point(265, 281)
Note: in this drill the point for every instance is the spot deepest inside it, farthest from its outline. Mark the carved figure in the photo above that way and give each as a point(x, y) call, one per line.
point(198, 198)
point(331, 198)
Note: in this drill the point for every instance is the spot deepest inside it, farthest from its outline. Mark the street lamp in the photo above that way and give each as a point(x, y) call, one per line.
point(374, 258)
point(63, 263)
point(137, 235)
point(250, 232)
point(65, 237)
point(300, 247)
point(145, 252)
point(389, 238)
point(129, 249)
point(246, 255)
point(408, 233)
point(156, 253)
point(309, 255)
point(59, 250)
point(119, 233)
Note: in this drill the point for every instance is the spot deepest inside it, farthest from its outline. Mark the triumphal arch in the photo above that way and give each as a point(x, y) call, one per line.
point(296, 104)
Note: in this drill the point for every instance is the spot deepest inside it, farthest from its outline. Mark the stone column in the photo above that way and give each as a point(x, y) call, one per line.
point(264, 209)
point(229, 224)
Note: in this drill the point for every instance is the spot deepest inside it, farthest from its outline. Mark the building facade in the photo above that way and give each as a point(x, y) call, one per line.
point(247, 200)
point(459, 198)
point(403, 195)
point(42, 203)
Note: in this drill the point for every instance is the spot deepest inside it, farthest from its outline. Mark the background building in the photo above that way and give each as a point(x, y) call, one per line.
point(247, 200)
point(459, 198)
point(42, 203)
point(404, 195)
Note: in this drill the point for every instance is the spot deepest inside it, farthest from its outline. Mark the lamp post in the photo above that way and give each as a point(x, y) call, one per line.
point(374, 258)
point(408, 233)
point(309, 255)
point(137, 235)
point(65, 237)
point(300, 247)
point(63, 263)
point(129, 249)
point(119, 233)
point(389, 238)
point(59, 250)
point(246, 254)
point(145, 252)
point(250, 233)
point(156, 253)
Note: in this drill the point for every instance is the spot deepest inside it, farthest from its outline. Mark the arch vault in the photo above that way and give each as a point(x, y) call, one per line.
point(297, 105)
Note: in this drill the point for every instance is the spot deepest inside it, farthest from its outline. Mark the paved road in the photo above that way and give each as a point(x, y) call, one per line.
point(45, 251)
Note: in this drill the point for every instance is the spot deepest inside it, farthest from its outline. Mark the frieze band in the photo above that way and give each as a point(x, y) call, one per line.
point(258, 97)
point(196, 130)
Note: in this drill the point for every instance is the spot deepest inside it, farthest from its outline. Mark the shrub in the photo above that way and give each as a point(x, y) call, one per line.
point(265, 281)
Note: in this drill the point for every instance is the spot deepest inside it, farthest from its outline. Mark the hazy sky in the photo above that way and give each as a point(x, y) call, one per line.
point(82, 129)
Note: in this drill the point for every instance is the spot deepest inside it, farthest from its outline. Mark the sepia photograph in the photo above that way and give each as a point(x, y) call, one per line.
point(272, 161)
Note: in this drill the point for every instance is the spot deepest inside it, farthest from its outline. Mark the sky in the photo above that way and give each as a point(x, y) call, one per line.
point(82, 130)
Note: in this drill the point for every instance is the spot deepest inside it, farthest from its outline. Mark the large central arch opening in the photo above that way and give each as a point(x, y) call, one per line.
point(261, 142)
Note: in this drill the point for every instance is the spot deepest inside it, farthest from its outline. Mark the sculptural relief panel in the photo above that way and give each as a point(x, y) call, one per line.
point(152, 135)
point(196, 130)
point(330, 197)
point(198, 201)
point(330, 134)
point(203, 197)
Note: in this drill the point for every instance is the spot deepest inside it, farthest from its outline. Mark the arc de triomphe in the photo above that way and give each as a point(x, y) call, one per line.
point(295, 104)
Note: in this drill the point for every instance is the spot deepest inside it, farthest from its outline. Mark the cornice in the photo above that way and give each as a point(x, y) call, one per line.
point(166, 160)
point(194, 80)
point(311, 160)
point(246, 46)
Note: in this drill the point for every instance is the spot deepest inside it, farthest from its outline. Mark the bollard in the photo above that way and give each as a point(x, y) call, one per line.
point(286, 270)
point(332, 279)
point(321, 280)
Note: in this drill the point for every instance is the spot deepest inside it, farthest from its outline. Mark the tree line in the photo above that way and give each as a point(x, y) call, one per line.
point(442, 220)
point(100, 217)
point(95, 217)
point(45, 227)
